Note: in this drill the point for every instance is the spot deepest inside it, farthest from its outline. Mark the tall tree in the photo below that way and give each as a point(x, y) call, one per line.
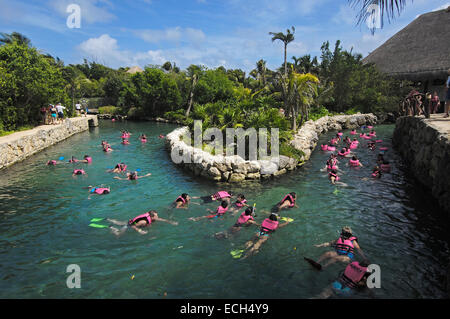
point(15, 36)
point(286, 39)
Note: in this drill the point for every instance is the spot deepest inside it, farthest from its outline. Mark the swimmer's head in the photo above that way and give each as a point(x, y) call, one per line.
point(241, 197)
point(185, 195)
point(224, 204)
point(153, 214)
point(354, 158)
point(248, 211)
point(346, 232)
point(133, 175)
point(333, 171)
point(364, 263)
point(273, 217)
point(293, 194)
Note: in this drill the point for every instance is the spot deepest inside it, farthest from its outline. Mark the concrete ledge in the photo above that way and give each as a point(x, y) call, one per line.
point(18, 146)
point(424, 145)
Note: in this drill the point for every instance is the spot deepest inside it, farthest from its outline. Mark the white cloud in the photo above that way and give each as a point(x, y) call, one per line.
point(444, 6)
point(176, 34)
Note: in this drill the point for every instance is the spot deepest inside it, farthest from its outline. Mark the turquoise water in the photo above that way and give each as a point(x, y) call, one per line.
point(45, 212)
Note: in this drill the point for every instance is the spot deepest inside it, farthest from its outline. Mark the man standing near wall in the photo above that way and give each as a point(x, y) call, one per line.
point(60, 110)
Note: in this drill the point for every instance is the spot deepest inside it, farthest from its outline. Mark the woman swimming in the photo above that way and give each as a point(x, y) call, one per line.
point(344, 249)
point(138, 222)
point(288, 201)
point(182, 201)
point(132, 176)
point(268, 226)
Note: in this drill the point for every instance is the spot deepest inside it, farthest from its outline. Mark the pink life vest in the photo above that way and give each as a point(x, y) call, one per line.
point(353, 274)
point(340, 133)
point(220, 210)
point(385, 167)
point(291, 199)
point(335, 176)
point(122, 167)
point(240, 203)
point(89, 159)
point(182, 199)
point(353, 133)
point(324, 147)
point(221, 194)
point(345, 244)
point(140, 217)
point(244, 218)
point(354, 163)
point(101, 190)
point(51, 162)
point(331, 148)
point(78, 171)
point(353, 145)
point(269, 225)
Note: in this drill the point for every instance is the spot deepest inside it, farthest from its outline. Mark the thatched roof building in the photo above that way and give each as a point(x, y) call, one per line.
point(420, 52)
point(135, 69)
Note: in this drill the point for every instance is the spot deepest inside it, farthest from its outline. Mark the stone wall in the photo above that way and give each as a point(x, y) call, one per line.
point(236, 169)
point(424, 146)
point(308, 135)
point(18, 146)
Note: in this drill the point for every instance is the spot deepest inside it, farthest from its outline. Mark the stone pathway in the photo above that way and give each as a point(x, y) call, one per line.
point(439, 123)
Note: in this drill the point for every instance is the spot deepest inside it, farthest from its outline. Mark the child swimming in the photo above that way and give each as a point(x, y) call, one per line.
point(244, 220)
point(220, 211)
point(138, 222)
point(182, 201)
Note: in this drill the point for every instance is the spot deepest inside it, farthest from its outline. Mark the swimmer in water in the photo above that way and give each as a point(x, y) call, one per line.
point(352, 280)
point(371, 145)
point(245, 219)
point(182, 201)
point(78, 172)
point(220, 211)
point(138, 222)
point(143, 138)
point(380, 158)
point(86, 159)
point(132, 176)
point(98, 190)
point(268, 226)
point(287, 202)
point(240, 202)
point(354, 162)
point(119, 168)
point(344, 250)
point(73, 160)
point(376, 172)
point(332, 175)
point(221, 195)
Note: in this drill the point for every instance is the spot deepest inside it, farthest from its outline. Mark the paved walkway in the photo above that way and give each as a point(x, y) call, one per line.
point(15, 136)
point(440, 123)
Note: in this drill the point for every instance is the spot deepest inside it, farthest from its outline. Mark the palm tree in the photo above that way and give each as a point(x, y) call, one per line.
point(261, 71)
point(286, 39)
point(15, 36)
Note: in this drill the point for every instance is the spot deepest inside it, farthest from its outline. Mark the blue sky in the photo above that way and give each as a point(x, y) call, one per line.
point(232, 33)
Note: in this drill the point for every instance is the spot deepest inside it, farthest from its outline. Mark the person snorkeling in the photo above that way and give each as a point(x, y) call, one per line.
point(78, 172)
point(182, 201)
point(119, 168)
point(268, 226)
point(220, 211)
point(245, 219)
point(138, 222)
point(98, 190)
point(131, 176)
point(288, 201)
point(353, 279)
point(221, 195)
point(344, 247)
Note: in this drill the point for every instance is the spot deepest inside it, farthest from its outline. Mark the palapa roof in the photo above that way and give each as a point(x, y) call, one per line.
point(134, 69)
point(420, 51)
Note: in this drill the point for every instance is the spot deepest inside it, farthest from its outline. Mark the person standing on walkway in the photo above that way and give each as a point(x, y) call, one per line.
point(447, 95)
point(435, 103)
point(60, 110)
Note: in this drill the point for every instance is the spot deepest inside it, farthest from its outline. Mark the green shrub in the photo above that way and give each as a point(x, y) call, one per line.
point(113, 110)
point(290, 151)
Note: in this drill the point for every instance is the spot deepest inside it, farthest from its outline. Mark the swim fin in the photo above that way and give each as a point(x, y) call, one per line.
point(96, 219)
point(236, 253)
point(98, 225)
point(313, 263)
point(287, 219)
